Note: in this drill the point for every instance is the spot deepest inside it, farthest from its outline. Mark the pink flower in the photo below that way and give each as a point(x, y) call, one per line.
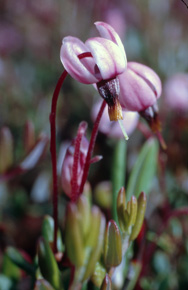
point(176, 92)
point(97, 61)
point(140, 87)
point(106, 58)
point(113, 129)
point(67, 167)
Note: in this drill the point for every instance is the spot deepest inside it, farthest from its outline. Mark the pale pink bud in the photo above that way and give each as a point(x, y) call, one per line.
point(113, 129)
point(67, 167)
point(176, 92)
point(140, 87)
point(105, 56)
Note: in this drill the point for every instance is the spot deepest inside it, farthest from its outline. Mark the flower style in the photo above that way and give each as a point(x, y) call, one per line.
point(140, 87)
point(97, 61)
point(112, 129)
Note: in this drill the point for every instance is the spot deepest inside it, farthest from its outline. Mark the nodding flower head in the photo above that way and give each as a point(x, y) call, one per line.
point(140, 87)
point(97, 61)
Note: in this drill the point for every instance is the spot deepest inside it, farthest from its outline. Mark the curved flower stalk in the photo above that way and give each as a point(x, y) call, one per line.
point(103, 59)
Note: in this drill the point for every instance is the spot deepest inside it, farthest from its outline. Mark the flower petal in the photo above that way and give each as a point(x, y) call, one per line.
point(108, 57)
point(108, 32)
point(81, 70)
point(148, 75)
point(135, 94)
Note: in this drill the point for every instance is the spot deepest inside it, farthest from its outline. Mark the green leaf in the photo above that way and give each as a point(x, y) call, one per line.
point(9, 269)
point(98, 274)
point(15, 256)
point(97, 247)
point(74, 240)
point(139, 216)
point(48, 232)
point(112, 245)
point(144, 169)
point(48, 265)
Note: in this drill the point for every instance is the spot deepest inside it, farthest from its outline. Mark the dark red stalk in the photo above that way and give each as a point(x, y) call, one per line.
point(74, 180)
point(91, 147)
point(53, 154)
point(53, 148)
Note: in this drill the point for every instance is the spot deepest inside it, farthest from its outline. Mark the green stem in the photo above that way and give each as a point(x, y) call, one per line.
point(118, 173)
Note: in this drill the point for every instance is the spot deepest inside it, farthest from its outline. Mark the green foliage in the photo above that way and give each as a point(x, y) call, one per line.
point(144, 170)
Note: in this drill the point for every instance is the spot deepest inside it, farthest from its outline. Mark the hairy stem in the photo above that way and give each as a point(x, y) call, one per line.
point(74, 179)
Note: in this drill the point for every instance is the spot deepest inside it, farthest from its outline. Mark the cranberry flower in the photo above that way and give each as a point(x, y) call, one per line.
point(140, 87)
point(97, 61)
point(108, 56)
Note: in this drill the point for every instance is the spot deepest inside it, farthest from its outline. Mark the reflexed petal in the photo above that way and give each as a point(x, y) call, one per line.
point(108, 57)
point(148, 74)
point(108, 32)
point(136, 92)
point(81, 70)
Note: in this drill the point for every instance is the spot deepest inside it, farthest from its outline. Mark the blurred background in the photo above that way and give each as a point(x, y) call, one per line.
point(153, 33)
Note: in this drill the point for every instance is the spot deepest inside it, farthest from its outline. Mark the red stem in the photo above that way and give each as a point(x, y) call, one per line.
point(53, 148)
point(53, 154)
point(91, 147)
point(74, 180)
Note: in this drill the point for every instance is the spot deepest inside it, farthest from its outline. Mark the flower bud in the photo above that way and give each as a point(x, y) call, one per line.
point(139, 217)
point(112, 245)
point(67, 167)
